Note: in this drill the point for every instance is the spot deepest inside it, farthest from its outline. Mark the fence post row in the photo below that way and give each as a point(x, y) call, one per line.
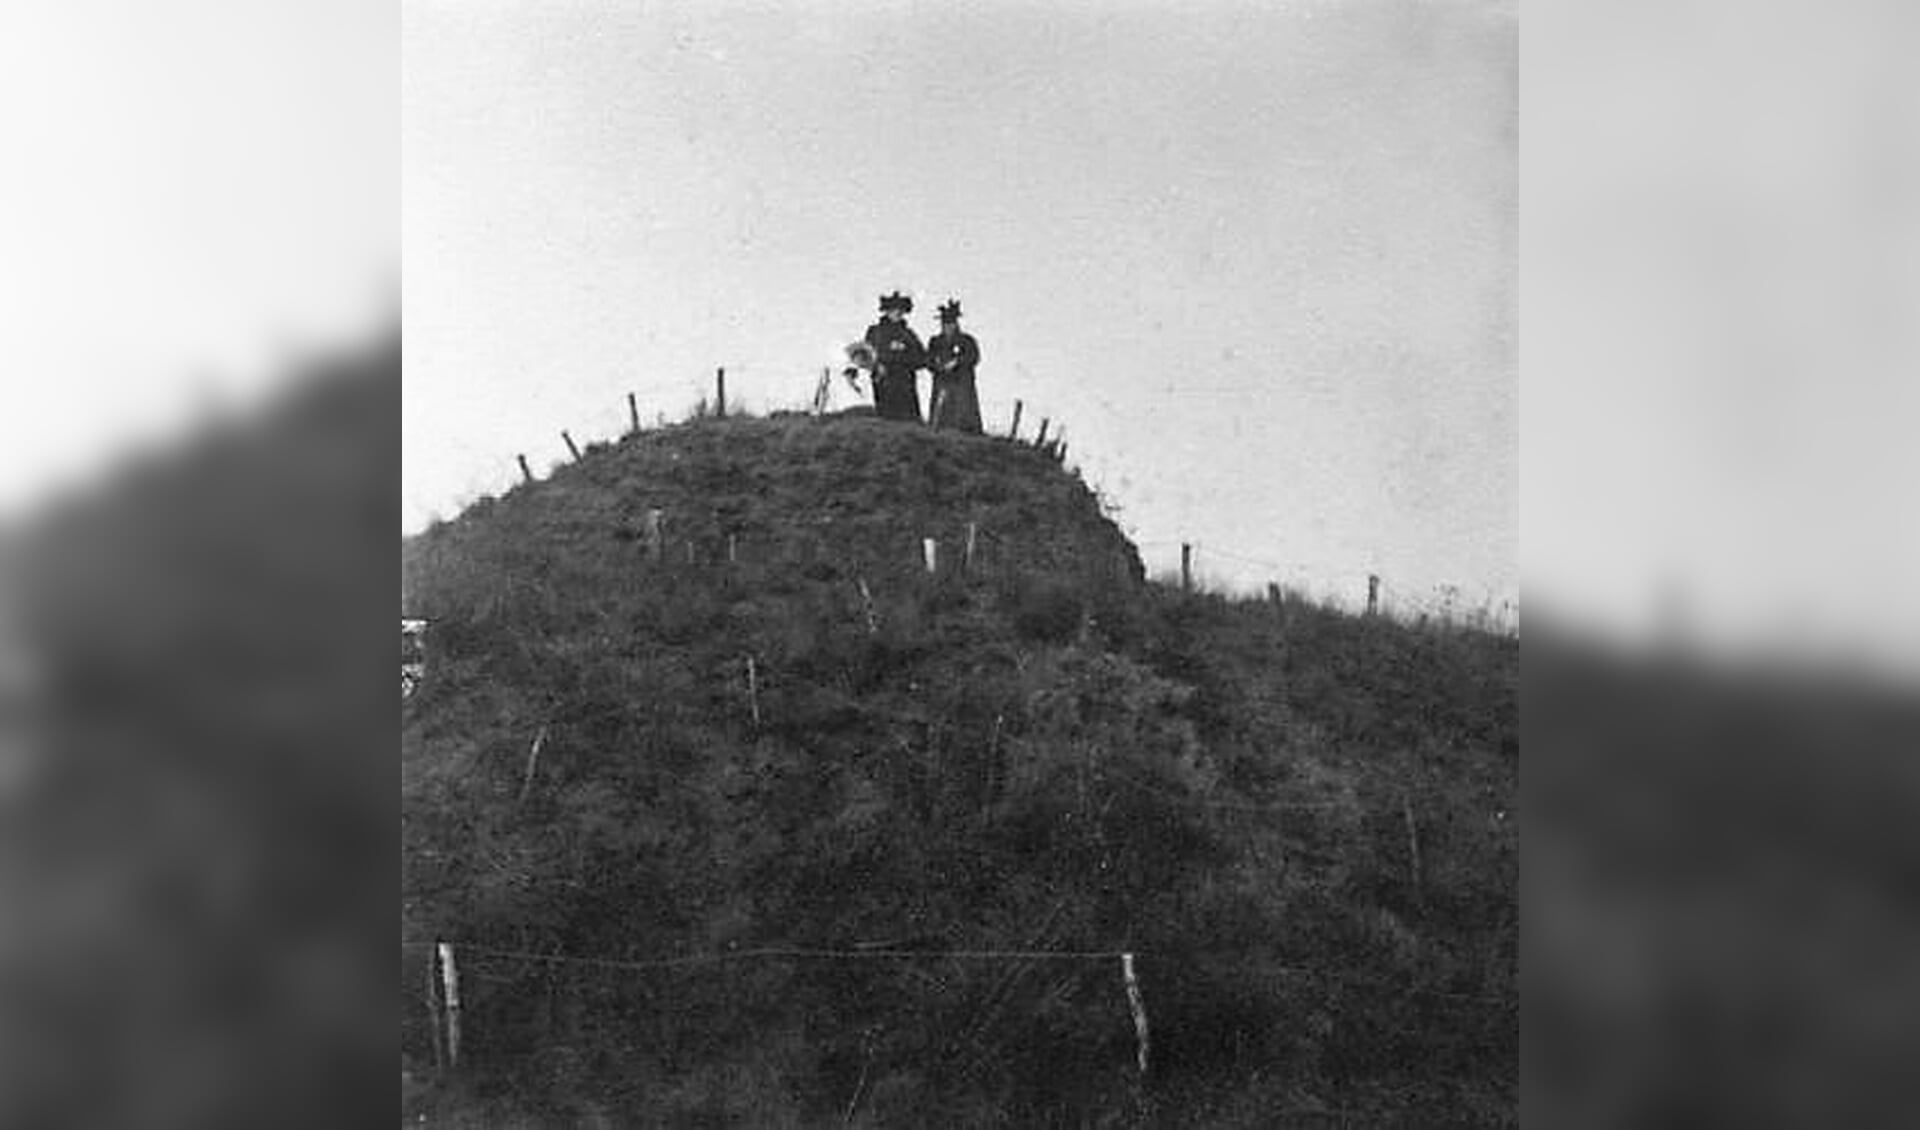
point(1505, 618)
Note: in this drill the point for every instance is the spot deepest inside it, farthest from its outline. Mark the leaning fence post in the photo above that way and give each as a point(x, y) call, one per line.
point(533, 763)
point(526, 472)
point(450, 983)
point(866, 599)
point(572, 449)
point(1014, 431)
point(633, 415)
point(1139, 1007)
point(1042, 440)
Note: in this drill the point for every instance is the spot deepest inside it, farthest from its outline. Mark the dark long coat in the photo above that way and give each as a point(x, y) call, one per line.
point(953, 357)
point(900, 356)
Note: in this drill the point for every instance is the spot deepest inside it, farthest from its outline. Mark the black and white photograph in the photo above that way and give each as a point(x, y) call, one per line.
point(960, 565)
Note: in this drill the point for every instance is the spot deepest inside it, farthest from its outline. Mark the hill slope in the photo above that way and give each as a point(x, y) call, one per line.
point(802, 800)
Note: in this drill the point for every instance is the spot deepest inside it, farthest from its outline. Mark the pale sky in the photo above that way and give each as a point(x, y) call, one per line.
point(1258, 259)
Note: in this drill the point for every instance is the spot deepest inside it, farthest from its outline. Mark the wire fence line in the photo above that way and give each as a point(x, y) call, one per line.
point(1447, 603)
point(779, 953)
point(793, 952)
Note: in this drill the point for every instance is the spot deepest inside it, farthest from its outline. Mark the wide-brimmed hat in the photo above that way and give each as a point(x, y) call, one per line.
point(896, 301)
point(951, 311)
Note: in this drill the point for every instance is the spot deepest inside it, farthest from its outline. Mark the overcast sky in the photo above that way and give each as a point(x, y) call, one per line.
point(1258, 259)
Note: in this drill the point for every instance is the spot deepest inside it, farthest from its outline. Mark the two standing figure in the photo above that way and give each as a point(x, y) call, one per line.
point(898, 356)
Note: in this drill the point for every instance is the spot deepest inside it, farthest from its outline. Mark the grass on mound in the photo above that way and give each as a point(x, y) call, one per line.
point(1290, 814)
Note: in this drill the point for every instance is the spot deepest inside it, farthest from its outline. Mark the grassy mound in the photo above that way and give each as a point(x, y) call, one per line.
point(801, 799)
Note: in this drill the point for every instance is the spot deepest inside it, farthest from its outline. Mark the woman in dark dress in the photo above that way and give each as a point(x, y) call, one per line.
point(953, 356)
point(898, 358)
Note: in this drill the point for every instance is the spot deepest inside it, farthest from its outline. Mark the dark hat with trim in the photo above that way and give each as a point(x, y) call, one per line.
point(896, 301)
point(951, 311)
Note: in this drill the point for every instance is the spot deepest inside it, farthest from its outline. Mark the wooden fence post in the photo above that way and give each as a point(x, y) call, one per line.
point(930, 549)
point(1186, 567)
point(633, 415)
point(720, 393)
point(1373, 594)
point(434, 1012)
point(1042, 440)
point(733, 550)
point(866, 599)
point(533, 763)
point(526, 472)
point(973, 531)
point(1273, 594)
point(450, 984)
point(572, 449)
point(655, 542)
point(753, 691)
point(1014, 431)
point(1139, 1007)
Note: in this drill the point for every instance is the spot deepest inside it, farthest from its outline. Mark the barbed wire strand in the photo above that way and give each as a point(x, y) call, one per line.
point(797, 953)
